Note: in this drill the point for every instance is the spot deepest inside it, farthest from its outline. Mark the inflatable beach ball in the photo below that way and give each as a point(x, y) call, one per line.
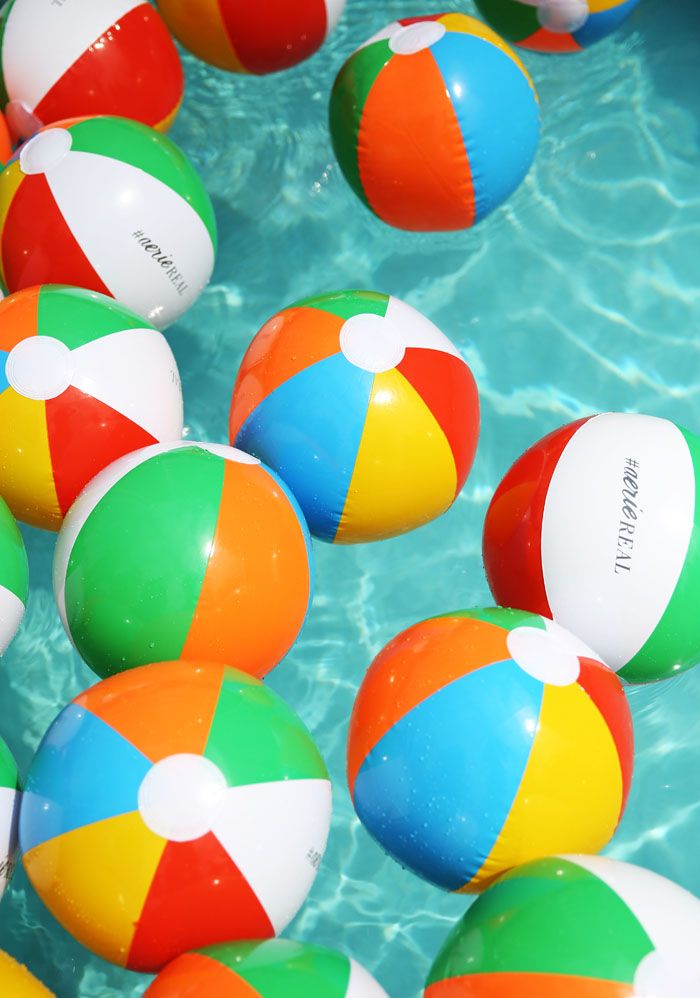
point(595, 526)
point(183, 550)
point(16, 981)
point(483, 739)
point(253, 36)
point(277, 968)
point(555, 25)
point(66, 60)
point(83, 381)
point(173, 807)
point(574, 927)
point(9, 811)
point(110, 205)
point(14, 577)
point(364, 408)
point(434, 121)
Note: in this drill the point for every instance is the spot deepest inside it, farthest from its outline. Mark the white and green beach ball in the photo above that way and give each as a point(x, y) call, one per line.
point(14, 577)
point(9, 812)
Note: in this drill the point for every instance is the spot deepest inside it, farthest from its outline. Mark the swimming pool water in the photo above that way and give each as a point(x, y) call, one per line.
point(581, 294)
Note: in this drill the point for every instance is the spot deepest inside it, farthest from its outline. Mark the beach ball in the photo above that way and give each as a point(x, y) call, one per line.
point(83, 381)
point(14, 577)
point(110, 205)
point(595, 526)
point(258, 37)
point(276, 968)
point(364, 408)
point(183, 550)
point(87, 57)
point(172, 807)
point(17, 982)
point(9, 811)
point(574, 927)
point(434, 121)
point(555, 25)
point(483, 739)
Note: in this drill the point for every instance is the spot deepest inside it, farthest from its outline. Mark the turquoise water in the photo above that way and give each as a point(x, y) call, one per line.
point(581, 294)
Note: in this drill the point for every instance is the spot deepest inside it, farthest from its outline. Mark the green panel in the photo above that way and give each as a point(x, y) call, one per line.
point(510, 18)
point(137, 565)
point(9, 777)
point(346, 304)
point(77, 317)
point(256, 738)
point(280, 968)
point(14, 568)
point(548, 917)
point(500, 616)
point(347, 103)
point(4, 96)
point(674, 644)
point(148, 150)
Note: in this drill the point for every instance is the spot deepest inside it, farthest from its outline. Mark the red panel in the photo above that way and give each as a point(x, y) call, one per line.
point(270, 35)
point(5, 142)
point(447, 387)
point(513, 527)
point(550, 41)
point(416, 20)
point(37, 245)
point(198, 897)
point(84, 437)
point(135, 73)
point(607, 693)
point(195, 975)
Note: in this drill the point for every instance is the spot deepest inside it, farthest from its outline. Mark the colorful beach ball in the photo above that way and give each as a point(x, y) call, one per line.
point(183, 550)
point(434, 121)
point(17, 982)
point(83, 381)
point(277, 968)
point(258, 37)
point(365, 409)
point(9, 812)
point(595, 526)
point(89, 57)
point(110, 205)
point(574, 927)
point(483, 739)
point(14, 577)
point(555, 25)
point(173, 807)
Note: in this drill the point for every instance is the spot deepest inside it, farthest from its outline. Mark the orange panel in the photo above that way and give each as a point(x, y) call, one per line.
point(550, 41)
point(195, 975)
point(288, 343)
point(526, 986)
point(176, 705)
point(200, 26)
point(18, 317)
point(413, 165)
point(257, 584)
point(417, 663)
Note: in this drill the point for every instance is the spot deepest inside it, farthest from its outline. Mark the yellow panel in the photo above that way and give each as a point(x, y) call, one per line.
point(571, 793)
point(405, 473)
point(95, 880)
point(10, 179)
point(595, 6)
point(17, 982)
point(26, 473)
point(470, 26)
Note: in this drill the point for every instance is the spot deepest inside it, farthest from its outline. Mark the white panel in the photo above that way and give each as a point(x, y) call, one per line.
point(134, 372)
point(11, 613)
point(334, 8)
point(417, 330)
point(362, 984)
point(9, 811)
point(106, 203)
point(44, 38)
point(387, 32)
point(607, 591)
point(276, 835)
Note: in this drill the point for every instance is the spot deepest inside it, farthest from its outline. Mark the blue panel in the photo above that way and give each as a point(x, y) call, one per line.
point(4, 383)
point(437, 788)
point(83, 772)
point(308, 430)
point(600, 25)
point(497, 112)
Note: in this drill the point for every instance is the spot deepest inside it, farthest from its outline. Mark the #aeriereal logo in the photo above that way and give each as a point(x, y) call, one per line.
point(163, 259)
point(630, 513)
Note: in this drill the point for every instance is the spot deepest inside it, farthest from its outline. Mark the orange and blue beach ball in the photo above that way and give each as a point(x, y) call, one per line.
point(364, 408)
point(483, 739)
point(555, 25)
point(435, 122)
